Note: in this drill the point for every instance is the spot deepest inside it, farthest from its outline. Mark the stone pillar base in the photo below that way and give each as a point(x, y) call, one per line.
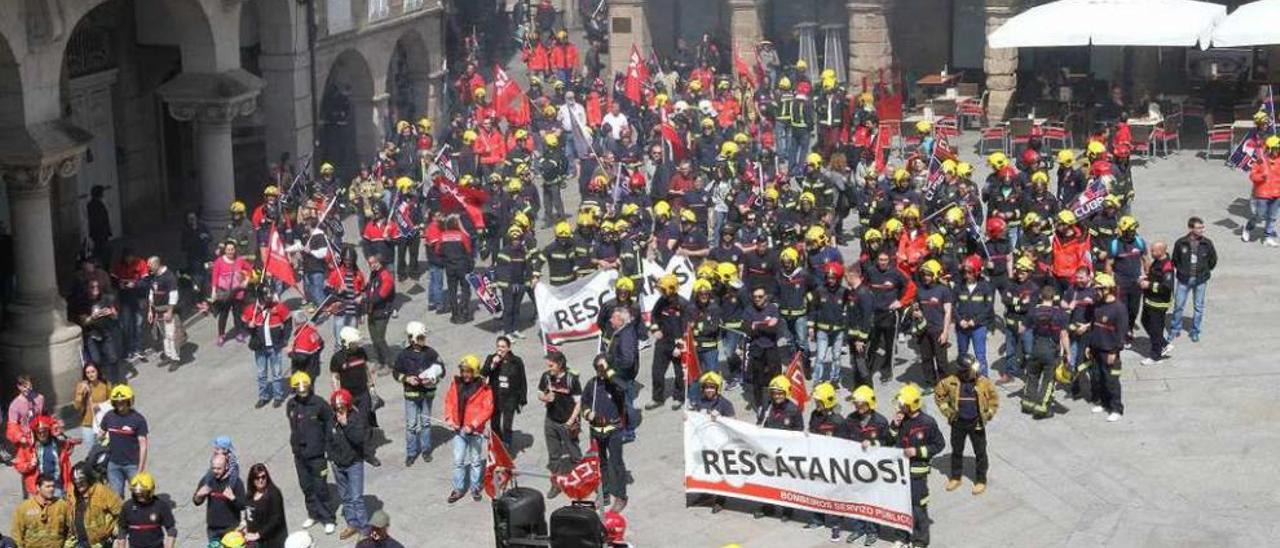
point(42, 344)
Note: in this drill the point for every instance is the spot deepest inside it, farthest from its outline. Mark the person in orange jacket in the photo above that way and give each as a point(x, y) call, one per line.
point(564, 57)
point(33, 451)
point(490, 147)
point(468, 405)
point(536, 56)
point(1265, 176)
point(1071, 249)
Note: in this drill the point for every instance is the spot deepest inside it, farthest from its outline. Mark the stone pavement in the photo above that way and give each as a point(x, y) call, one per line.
point(1186, 466)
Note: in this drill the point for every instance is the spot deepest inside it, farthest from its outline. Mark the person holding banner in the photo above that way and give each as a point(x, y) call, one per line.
point(920, 439)
point(871, 429)
point(783, 414)
point(709, 400)
point(825, 421)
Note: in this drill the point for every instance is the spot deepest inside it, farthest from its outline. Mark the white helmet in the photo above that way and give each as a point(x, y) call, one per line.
point(681, 106)
point(415, 329)
point(299, 539)
point(706, 107)
point(349, 335)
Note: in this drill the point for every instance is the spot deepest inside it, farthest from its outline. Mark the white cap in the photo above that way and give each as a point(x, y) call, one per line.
point(349, 335)
point(299, 539)
point(415, 329)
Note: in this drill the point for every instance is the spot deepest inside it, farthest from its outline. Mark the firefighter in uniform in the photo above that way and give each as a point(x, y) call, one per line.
point(1017, 301)
point(669, 320)
point(1047, 323)
point(240, 232)
point(310, 420)
point(869, 428)
point(794, 283)
point(827, 308)
point(707, 320)
point(919, 437)
point(783, 414)
point(144, 519)
point(825, 421)
point(1103, 344)
point(710, 400)
point(969, 401)
point(554, 168)
point(561, 256)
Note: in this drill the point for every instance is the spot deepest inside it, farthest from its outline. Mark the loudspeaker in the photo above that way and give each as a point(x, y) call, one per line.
point(518, 513)
point(577, 526)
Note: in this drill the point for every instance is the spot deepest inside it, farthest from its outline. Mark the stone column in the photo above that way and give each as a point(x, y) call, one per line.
point(288, 123)
point(212, 102)
point(38, 340)
point(1001, 65)
point(436, 83)
point(745, 29)
point(869, 48)
point(628, 26)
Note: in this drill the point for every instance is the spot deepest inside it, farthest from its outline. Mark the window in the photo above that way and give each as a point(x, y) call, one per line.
point(411, 5)
point(379, 9)
point(338, 14)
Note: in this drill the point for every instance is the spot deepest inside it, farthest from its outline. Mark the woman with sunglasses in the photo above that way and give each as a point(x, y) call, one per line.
point(264, 515)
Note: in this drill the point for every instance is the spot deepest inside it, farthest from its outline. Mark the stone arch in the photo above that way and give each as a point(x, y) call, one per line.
point(11, 100)
point(408, 76)
point(347, 126)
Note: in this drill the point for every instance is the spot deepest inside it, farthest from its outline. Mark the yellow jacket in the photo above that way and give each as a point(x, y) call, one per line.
point(37, 526)
point(947, 396)
point(102, 514)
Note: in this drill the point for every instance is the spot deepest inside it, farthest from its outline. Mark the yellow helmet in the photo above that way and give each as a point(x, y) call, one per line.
point(872, 234)
point(514, 231)
point(712, 378)
point(237, 207)
point(901, 174)
point(469, 136)
point(813, 160)
point(688, 216)
point(563, 230)
point(403, 184)
point(825, 395)
point(661, 209)
point(816, 235)
point(997, 160)
point(954, 215)
point(1095, 148)
point(1112, 200)
point(964, 169)
point(828, 74)
point(695, 85)
point(668, 283)
point(514, 185)
point(780, 383)
point(1062, 373)
point(1272, 142)
point(299, 378)
point(661, 99)
point(465, 180)
point(402, 125)
point(1040, 177)
point(784, 83)
point(562, 34)
point(552, 140)
point(608, 226)
point(326, 168)
point(624, 284)
point(910, 396)
point(923, 126)
point(741, 138)
point(931, 267)
point(866, 98)
point(1024, 264)
point(790, 254)
point(521, 219)
point(470, 361)
point(1067, 217)
point(629, 209)
point(808, 197)
point(521, 133)
point(801, 64)
point(479, 93)
point(1031, 218)
point(1127, 224)
point(142, 482)
point(727, 272)
point(706, 270)
point(234, 539)
point(424, 124)
point(935, 241)
point(865, 394)
point(949, 166)
point(121, 392)
point(549, 111)
point(586, 218)
point(771, 194)
point(728, 149)
point(1066, 157)
point(701, 285)
point(892, 227)
point(1261, 117)
point(1104, 281)
point(911, 212)
point(271, 190)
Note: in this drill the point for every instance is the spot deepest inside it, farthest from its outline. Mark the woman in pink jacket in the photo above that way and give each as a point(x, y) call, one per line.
point(229, 279)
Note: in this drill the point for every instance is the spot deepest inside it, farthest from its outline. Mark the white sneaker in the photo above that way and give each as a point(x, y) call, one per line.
point(1097, 409)
point(1114, 417)
point(308, 523)
point(329, 528)
point(1168, 350)
point(1272, 241)
point(1244, 235)
point(1148, 361)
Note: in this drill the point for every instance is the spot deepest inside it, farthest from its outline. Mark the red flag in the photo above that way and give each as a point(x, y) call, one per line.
point(582, 481)
point(689, 359)
point(498, 468)
point(506, 91)
point(469, 200)
point(799, 387)
point(881, 144)
point(275, 261)
point(636, 76)
point(743, 70)
point(672, 137)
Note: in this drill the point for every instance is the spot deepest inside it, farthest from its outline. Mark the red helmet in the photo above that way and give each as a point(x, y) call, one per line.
point(44, 422)
point(637, 180)
point(615, 526)
point(995, 227)
point(1008, 172)
point(833, 268)
point(973, 263)
point(341, 396)
point(1100, 168)
point(1030, 157)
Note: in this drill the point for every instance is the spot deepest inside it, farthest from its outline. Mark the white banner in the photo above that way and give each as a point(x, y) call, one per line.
point(821, 474)
point(569, 312)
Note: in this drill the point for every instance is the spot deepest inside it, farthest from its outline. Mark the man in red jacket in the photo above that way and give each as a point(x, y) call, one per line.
point(1265, 176)
point(564, 56)
point(467, 408)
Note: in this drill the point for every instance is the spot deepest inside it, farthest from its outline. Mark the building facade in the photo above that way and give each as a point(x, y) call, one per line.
point(176, 106)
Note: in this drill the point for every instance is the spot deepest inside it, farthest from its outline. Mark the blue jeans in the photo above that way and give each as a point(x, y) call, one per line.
point(826, 362)
point(467, 457)
point(800, 333)
point(1013, 232)
point(270, 374)
point(800, 139)
point(435, 286)
point(417, 427)
point(729, 343)
point(1016, 347)
point(782, 139)
point(340, 321)
point(1197, 289)
point(118, 476)
point(1265, 210)
point(131, 323)
point(718, 219)
point(978, 337)
point(631, 391)
point(315, 287)
point(350, 481)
